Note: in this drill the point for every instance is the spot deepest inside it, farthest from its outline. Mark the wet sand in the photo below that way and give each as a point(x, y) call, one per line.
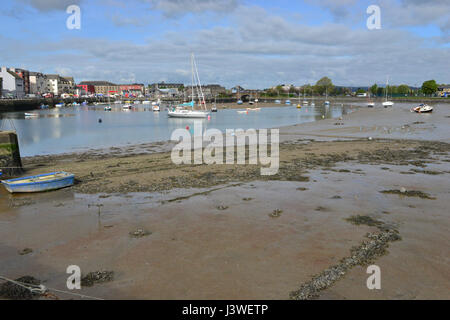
point(213, 234)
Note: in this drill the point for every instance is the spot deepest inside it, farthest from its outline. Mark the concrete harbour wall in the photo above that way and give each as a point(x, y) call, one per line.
point(10, 162)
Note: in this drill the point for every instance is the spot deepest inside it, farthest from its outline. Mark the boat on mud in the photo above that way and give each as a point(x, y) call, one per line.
point(40, 183)
point(422, 108)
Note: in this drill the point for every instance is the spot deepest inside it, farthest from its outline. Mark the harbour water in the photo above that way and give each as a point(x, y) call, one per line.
point(78, 128)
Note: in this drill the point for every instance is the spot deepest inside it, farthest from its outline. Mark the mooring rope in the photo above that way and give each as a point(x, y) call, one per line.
point(43, 290)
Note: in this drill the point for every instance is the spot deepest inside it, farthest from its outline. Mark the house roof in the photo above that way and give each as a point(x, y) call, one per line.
point(15, 75)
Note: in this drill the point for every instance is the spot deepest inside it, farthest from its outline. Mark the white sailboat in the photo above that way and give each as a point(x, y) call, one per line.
point(387, 103)
point(181, 111)
point(327, 103)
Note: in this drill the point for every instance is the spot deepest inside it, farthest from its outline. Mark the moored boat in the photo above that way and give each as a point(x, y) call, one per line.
point(40, 183)
point(422, 108)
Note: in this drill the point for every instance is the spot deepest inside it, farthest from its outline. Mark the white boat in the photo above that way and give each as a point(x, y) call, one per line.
point(288, 102)
point(312, 104)
point(326, 103)
point(186, 110)
point(422, 108)
point(137, 102)
point(305, 102)
point(242, 112)
point(156, 108)
point(127, 107)
point(108, 108)
point(387, 103)
point(181, 112)
point(117, 102)
point(146, 102)
point(31, 114)
point(59, 105)
point(370, 104)
point(253, 109)
point(251, 102)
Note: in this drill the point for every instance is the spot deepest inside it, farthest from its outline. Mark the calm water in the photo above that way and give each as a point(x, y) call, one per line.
point(77, 128)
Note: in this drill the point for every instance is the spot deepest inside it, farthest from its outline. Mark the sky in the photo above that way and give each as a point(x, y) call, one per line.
point(255, 44)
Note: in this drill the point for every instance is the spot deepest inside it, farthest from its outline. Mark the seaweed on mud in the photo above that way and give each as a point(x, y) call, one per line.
point(276, 213)
point(362, 255)
point(409, 193)
point(25, 251)
point(140, 233)
point(93, 278)
point(9, 290)
point(363, 220)
point(430, 172)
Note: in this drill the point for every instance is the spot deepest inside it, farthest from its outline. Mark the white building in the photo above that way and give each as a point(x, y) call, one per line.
point(13, 85)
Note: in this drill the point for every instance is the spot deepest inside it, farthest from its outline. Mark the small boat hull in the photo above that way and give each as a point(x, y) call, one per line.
point(40, 183)
point(189, 114)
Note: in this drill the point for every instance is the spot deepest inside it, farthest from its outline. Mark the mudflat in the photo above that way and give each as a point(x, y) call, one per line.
point(369, 188)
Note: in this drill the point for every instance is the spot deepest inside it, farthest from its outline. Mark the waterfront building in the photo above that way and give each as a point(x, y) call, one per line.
point(86, 89)
point(66, 85)
point(444, 91)
point(1, 87)
point(25, 75)
point(12, 83)
point(51, 84)
point(37, 83)
point(136, 89)
point(102, 87)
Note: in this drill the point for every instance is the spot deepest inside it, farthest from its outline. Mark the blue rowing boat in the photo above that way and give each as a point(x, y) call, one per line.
point(40, 183)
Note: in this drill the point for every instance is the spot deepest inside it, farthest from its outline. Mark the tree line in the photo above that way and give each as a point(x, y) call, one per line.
point(326, 86)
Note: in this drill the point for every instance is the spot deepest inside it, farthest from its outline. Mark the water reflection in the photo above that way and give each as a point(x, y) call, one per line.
point(78, 128)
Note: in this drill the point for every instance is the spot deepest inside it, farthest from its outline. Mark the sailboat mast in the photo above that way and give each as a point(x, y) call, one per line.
point(192, 80)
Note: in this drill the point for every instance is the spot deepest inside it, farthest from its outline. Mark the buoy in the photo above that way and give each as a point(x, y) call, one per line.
point(99, 120)
point(209, 117)
point(187, 127)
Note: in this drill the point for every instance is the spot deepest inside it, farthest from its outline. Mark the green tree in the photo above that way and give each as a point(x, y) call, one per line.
point(403, 89)
point(324, 85)
point(374, 89)
point(429, 87)
point(360, 91)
